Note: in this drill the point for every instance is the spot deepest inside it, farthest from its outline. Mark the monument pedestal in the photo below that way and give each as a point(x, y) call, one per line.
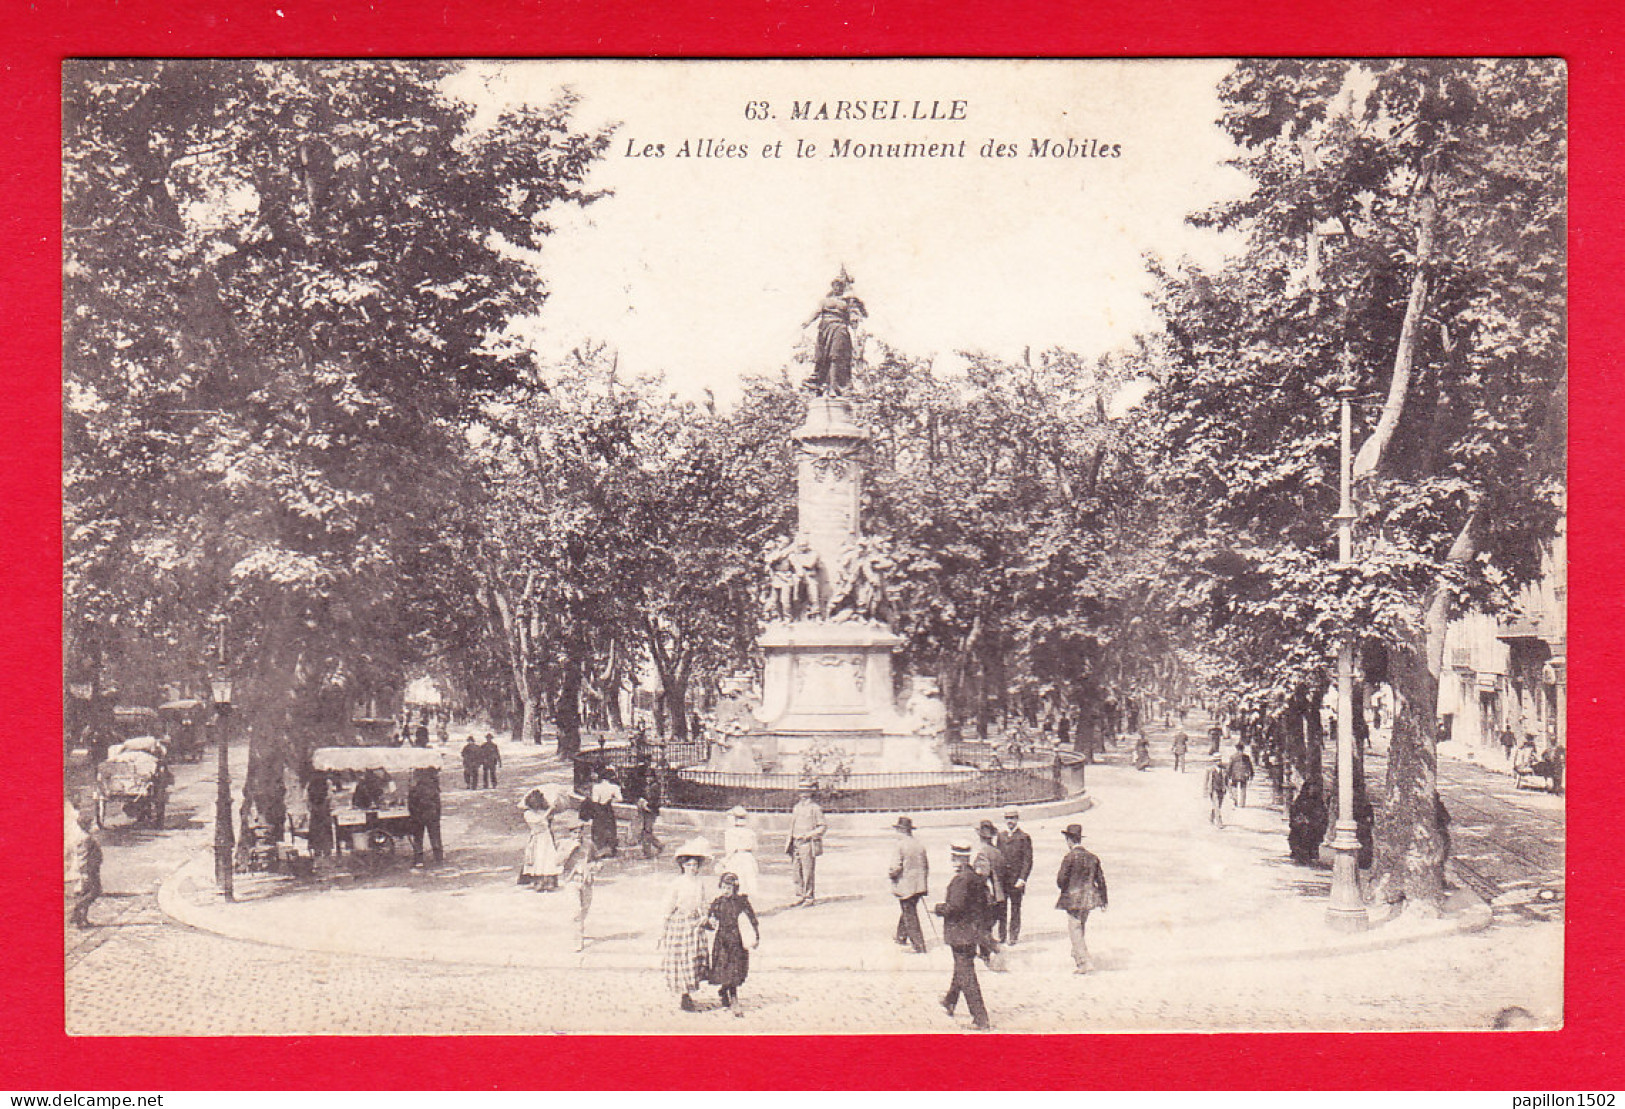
point(827, 680)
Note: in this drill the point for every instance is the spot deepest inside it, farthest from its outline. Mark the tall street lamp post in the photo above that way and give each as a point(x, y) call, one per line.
point(224, 839)
point(1346, 913)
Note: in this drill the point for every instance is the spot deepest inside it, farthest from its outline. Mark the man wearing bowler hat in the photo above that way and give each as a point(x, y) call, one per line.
point(1016, 848)
point(909, 871)
point(1083, 887)
point(964, 916)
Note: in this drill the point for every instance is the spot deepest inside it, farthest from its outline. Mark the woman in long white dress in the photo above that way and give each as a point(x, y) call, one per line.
point(541, 866)
point(739, 851)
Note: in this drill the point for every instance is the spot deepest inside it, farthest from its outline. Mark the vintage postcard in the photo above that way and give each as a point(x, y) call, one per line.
point(811, 547)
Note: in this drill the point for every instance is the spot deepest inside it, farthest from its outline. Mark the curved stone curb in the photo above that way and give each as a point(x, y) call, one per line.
point(187, 897)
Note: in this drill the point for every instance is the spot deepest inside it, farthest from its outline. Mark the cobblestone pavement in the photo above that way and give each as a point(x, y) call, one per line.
point(155, 978)
point(1179, 889)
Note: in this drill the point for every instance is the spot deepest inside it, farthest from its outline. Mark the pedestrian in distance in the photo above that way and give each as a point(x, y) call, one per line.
point(739, 851)
point(735, 933)
point(490, 761)
point(578, 872)
point(1182, 743)
point(1241, 772)
point(683, 916)
point(541, 864)
point(1215, 784)
point(1524, 760)
point(1509, 742)
point(646, 811)
point(964, 913)
point(1083, 889)
point(1142, 752)
point(1215, 739)
point(910, 874)
point(606, 794)
point(1016, 848)
point(471, 764)
point(804, 844)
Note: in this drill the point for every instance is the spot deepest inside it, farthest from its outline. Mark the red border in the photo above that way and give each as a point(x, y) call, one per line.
point(1583, 1056)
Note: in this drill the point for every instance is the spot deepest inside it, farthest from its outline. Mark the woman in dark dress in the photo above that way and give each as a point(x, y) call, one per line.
point(730, 950)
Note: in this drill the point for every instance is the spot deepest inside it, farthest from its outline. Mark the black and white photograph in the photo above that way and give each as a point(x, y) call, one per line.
point(676, 547)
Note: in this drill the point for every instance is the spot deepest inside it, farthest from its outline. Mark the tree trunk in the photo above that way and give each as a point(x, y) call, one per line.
point(1410, 853)
point(567, 712)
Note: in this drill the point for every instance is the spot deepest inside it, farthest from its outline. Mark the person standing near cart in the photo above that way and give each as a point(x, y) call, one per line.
point(423, 807)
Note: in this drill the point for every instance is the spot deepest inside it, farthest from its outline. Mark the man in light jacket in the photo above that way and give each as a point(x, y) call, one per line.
point(909, 872)
point(1083, 887)
point(805, 844)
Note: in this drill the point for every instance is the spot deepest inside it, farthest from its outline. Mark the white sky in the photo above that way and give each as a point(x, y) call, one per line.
point(706, 269)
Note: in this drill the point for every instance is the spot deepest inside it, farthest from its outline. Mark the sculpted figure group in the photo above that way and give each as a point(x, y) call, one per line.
point(857, 588)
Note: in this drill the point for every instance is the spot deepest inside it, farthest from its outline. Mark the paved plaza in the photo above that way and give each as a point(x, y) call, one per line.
point(1208, 929)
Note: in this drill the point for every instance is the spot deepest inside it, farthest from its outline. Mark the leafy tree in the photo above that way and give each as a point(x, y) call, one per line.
point(1405, 233)
point(286, 288)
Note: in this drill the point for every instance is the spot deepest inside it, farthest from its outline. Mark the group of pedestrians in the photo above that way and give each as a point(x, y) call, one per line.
point(705, 941)
point(971, 907)
point(1227, 781)
point(481, 762)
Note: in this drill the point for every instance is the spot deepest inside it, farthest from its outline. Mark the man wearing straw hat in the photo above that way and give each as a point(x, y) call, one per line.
point(909, 872)
point(806, 843)
point(964, 916)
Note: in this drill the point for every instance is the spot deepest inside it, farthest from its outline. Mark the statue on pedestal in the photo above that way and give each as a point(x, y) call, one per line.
point(858, 589)
point(792, 584)
point(837, 314)
point(731, 725)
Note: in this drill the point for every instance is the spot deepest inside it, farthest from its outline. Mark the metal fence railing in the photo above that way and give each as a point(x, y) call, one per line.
point(899, 792)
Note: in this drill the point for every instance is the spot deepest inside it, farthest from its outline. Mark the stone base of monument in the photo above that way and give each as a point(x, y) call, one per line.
point(827, 676)
point(803, 752)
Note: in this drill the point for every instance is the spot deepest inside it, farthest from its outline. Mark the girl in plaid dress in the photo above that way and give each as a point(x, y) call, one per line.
point(682, 937)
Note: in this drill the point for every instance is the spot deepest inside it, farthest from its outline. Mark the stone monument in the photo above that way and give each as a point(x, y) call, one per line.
point(827, 646)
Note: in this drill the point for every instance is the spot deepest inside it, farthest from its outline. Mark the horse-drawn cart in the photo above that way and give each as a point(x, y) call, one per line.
point(134, 774)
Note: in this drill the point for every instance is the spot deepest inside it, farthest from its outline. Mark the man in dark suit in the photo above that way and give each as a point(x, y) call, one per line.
point(423, 806)
point(1016, 848)
point(909, 873)
point(964, 915)
point(1083, 887)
